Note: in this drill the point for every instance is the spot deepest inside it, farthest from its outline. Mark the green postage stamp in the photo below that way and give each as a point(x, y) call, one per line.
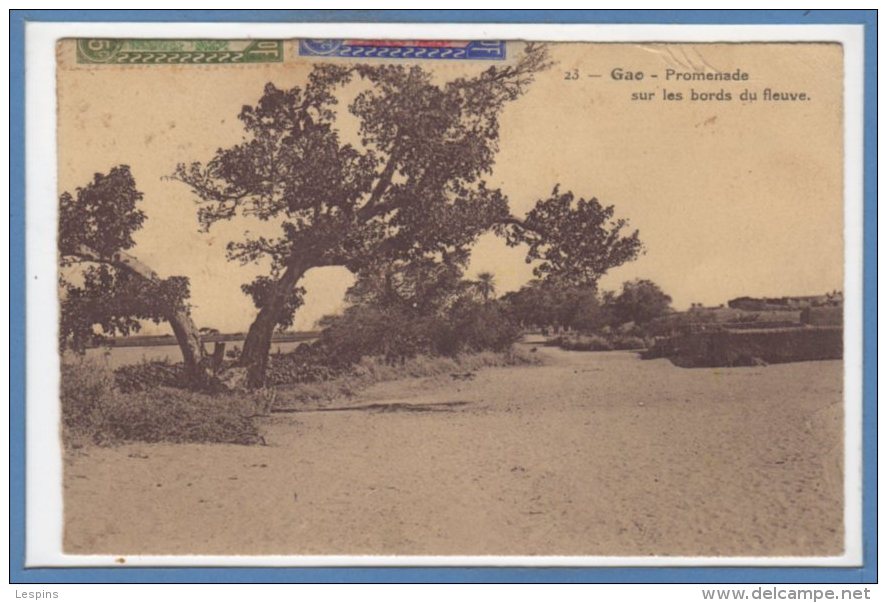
point(168, 52)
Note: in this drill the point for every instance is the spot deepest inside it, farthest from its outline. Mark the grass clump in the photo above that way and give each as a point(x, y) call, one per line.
point(95, 410)
point(375, 369)
point(600, 343)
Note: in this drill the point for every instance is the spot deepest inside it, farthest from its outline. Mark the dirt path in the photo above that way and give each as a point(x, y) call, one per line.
point(591, 454)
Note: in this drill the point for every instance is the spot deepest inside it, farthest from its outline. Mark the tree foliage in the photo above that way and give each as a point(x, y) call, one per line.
point(421, 287)
point(412, 188)
point(102, 286)
point(115, 302)
point(102, 216)
point(449, 321)
point(640, 301)
point(554, 303)
point(260, 291)
point(574, 240)
point(409, 189)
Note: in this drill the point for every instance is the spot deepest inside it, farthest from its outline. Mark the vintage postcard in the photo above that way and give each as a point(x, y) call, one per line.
point(389, 297)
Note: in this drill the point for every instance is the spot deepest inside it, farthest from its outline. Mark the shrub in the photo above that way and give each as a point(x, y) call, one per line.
point(629, 343)
point(585, 343)
point(659, 347)
point(148, 374)
point(350, 347)
point(305, 364)
point(370, 331)
point(475, 327)
point(396, 335)
point(601, 343)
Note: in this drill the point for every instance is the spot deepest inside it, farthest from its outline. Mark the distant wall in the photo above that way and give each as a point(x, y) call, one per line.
point(823, 316)
point(776, 303)
point(749, 347)
point(717, 318)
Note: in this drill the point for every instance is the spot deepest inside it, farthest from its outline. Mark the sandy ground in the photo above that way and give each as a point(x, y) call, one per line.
point(590, 454)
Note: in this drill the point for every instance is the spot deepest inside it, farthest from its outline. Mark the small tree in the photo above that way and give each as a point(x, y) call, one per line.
point(640, 302)
point(555, 302)
point(485, 285)
point(421, 287)
point(108, 288)
point(532, 305)
point(581, 309)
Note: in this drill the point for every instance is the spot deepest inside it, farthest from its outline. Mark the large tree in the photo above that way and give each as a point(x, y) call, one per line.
point(106, 287)
point(411, 187)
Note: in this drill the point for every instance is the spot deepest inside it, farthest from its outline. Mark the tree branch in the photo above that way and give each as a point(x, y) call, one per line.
point(120, 259)
point(372, 208)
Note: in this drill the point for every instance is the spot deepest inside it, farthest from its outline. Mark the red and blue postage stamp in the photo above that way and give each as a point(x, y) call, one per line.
point(484, 50)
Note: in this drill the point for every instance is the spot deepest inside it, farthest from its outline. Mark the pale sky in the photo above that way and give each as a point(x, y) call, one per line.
point(731, 198)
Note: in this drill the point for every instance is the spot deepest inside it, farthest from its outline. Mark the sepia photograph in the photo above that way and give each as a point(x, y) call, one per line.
point(390, 297)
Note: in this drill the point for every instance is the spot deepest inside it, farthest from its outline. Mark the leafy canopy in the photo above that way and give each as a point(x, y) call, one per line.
point(641, 301)
point(575, 240)
point(103, 215)
point(411, 187)
point(98, 288)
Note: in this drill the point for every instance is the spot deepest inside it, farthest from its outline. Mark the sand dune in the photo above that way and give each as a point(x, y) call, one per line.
point(590, 454)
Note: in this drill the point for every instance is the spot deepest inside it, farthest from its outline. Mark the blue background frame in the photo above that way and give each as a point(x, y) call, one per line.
point(19, 574)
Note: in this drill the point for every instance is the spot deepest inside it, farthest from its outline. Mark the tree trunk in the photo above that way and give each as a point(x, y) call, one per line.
point(188, 338)
point(258, 341)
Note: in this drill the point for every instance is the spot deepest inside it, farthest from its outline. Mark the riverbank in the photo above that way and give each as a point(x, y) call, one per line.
point(589, 454)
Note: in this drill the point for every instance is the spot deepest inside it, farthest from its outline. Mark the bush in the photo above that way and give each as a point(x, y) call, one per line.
point(370, 331)
point(367, 335)
point(598, 343)
point(93, 409)
point(148, 374)
point(305, 364)
point(396, 335)
point(475, 327)
point(660, 347)
point(629, 343)
point(584, 343)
